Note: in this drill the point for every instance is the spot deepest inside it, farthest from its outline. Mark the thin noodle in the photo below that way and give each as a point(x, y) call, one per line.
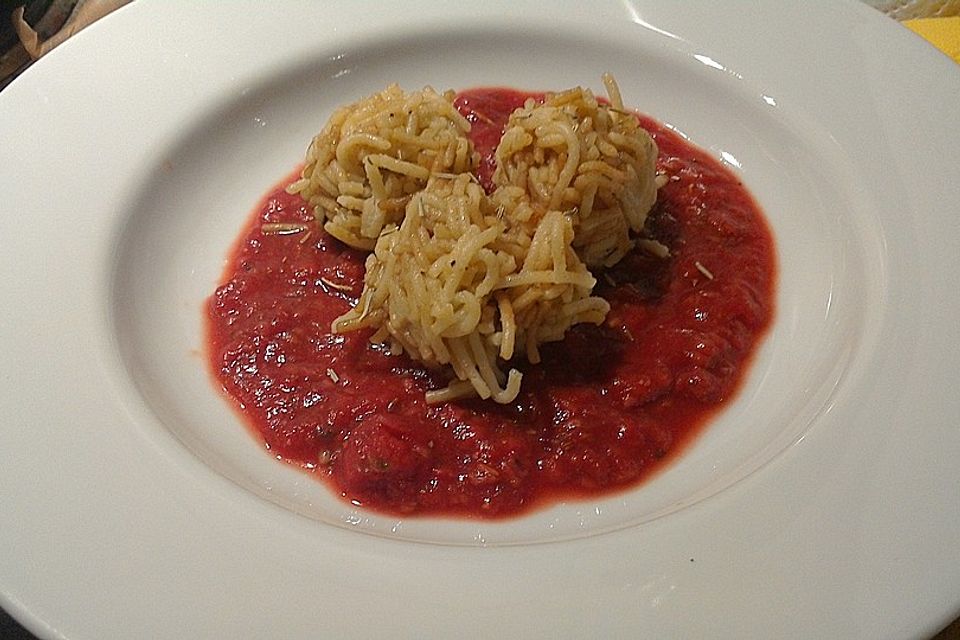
point(461, 279)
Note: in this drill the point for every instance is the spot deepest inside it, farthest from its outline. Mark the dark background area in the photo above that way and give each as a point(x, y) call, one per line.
point(32, 11)
point(10, 630)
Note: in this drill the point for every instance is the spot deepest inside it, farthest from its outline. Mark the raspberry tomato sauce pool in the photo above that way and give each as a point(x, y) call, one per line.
point(608, 406)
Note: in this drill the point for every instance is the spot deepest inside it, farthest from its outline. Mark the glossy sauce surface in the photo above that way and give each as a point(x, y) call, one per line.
point(606, 408)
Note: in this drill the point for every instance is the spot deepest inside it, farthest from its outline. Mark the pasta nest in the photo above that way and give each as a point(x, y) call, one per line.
point(573, 153)
point(456, 284)
point(373, 155)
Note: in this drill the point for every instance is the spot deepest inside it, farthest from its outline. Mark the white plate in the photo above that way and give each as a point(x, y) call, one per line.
point(825, 502)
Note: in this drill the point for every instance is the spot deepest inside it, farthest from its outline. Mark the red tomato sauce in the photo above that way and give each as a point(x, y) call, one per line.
point(607, 407)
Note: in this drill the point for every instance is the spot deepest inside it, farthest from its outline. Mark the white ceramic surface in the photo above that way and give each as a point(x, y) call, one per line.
point(823, 503)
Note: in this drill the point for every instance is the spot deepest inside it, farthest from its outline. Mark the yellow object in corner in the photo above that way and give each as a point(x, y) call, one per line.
point(943, 33)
